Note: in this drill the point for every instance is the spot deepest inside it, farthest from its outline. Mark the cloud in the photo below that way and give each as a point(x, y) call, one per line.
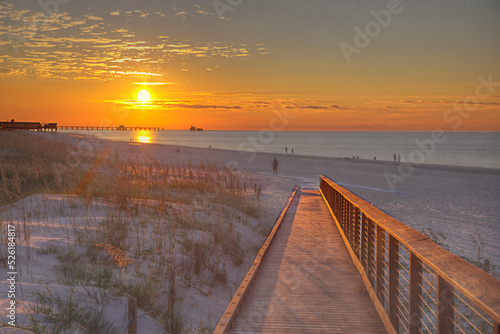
point(169, 104)
point(93, 17)
point(202, 106)
point(90, 47)
point(154, 83)
point(314, 107)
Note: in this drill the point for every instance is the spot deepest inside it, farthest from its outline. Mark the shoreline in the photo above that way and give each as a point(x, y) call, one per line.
point(430, 166)
point(446, 168)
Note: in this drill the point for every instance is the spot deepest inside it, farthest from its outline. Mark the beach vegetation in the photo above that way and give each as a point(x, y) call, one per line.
point(127, 226)
point(29, 165)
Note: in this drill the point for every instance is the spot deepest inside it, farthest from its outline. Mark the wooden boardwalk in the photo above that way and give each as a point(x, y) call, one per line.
point(308, 282)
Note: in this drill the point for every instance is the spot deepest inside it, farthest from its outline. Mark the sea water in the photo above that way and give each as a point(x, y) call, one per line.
point(472, 149)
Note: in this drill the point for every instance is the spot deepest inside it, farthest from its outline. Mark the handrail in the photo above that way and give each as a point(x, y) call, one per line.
point(382, 247)
point(231, 311)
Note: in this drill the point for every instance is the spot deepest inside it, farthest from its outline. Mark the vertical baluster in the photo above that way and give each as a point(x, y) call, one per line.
point(364, 241)
point(331, 197)
point(347, 217)
point(337, 194)
point(393, 281)
point(415, 294)
point(349, 222)
point(380, 263)
point(445, 304)
point(341, 220)
point(337, 205)
point(344, 213)
point(496, 328)
point(357, 228)
point(371, 251)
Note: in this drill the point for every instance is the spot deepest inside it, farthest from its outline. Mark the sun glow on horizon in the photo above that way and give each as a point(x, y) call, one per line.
point(144, 96)
point(144, 137)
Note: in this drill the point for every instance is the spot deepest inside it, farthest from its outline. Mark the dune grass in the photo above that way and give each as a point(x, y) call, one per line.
point(136, 227)
point(29, 164)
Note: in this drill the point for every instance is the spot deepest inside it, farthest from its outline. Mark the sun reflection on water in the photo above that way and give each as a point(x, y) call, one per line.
point(144, 137)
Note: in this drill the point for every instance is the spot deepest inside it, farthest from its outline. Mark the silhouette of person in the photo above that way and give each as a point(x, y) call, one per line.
point(394, 156)
point(275, 166)
point(399, 158)
point(286, 150)
point(292, 150)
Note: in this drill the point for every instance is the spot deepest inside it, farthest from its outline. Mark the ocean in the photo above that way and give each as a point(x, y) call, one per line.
point(472, 149)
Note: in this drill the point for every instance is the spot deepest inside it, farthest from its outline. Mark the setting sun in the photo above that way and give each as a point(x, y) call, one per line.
point(144, 96)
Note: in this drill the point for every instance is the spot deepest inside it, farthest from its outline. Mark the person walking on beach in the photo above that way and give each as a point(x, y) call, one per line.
point(292, 150)
point(399, 158)
point(286, 150)
point(394, 157)
point(275, 166)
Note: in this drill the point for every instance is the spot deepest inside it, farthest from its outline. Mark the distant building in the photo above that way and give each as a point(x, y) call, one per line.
point(194, 128)
point(27, 126)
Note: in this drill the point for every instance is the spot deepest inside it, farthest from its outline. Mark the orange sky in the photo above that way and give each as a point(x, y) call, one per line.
point(82, 64)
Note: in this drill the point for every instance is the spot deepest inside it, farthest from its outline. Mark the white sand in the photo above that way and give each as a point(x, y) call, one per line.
point(461, 203)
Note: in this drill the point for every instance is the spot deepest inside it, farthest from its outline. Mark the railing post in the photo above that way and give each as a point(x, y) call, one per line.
point(364, 241)
point(496, 328)
point(347, 220)
point(342, 209)
point(415, 294)
point(352, 223)
point(445, 304)
point(337, 204)
point(380, 263)
point(393, 281)
point(357, 244)
point(371, 251)
point(132, 315)
point(344, 214)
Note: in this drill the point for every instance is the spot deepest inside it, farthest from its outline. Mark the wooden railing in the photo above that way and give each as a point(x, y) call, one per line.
point(416, 285)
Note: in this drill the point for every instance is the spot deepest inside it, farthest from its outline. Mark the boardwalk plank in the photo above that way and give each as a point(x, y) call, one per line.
point(307, 283)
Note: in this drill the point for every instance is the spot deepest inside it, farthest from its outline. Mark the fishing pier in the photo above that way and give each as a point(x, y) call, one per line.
point(53, 127)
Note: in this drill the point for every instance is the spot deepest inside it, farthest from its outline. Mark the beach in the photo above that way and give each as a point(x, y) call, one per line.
point(462, 203)
point(455, 206)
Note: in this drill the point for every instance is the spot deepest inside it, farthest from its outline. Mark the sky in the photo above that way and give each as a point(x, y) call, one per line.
point(339, 65)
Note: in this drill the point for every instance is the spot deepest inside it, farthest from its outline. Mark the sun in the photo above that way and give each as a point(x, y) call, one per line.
point(144, 96)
